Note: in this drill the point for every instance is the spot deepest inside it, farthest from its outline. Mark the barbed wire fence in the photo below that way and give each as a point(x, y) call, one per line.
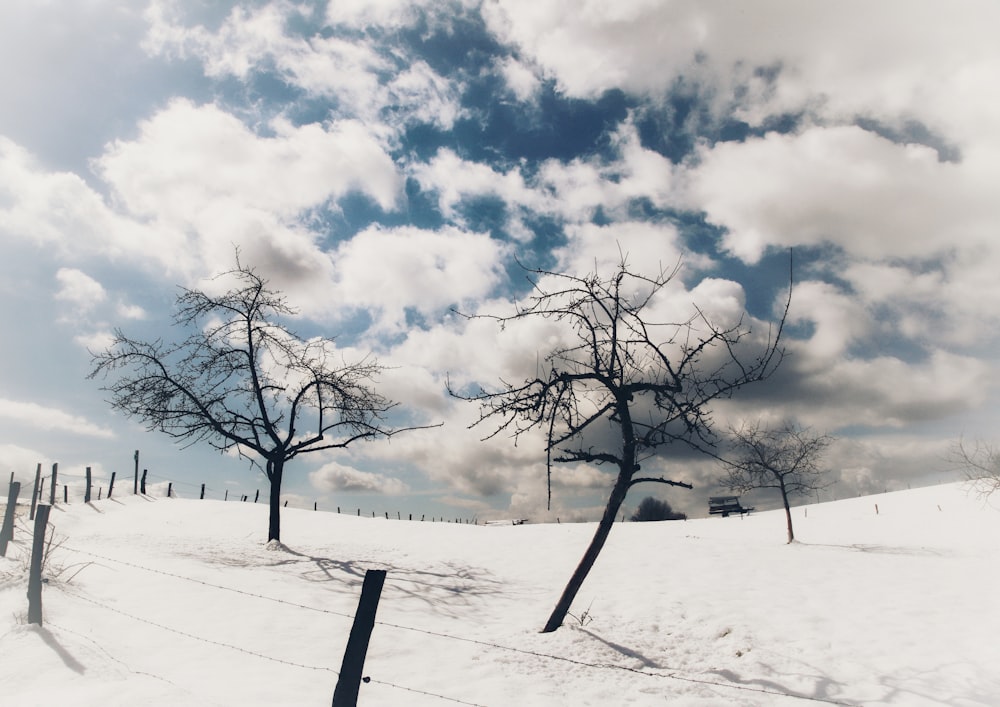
point(73, 488)
point(665, 674)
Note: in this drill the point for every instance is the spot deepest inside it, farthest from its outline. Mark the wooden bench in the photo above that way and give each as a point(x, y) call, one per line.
point(724, 505)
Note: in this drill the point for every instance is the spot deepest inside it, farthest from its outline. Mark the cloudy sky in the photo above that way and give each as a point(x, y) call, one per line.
point(384, 162)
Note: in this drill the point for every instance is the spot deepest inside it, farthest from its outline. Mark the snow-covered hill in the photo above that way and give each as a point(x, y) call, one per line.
point(179, 602)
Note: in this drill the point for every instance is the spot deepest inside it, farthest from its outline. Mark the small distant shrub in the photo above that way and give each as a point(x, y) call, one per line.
point(654, 509)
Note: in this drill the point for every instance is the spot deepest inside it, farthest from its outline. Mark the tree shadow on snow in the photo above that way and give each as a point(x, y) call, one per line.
point(824, 688)
point(882, 549)
point(438, 587)
point(930, 687)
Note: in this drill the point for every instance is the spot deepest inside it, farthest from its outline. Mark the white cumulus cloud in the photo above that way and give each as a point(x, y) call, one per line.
point(336, 477)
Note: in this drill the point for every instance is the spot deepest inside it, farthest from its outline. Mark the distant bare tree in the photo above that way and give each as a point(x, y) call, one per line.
point(980, 463)
point(786, 458)
point(242, 380)
point(652, 509)
point(649, 382)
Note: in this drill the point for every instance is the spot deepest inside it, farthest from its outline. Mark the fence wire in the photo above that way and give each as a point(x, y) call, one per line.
point(673, 674)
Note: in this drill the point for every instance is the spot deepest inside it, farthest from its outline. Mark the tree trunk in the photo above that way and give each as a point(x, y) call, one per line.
point(274, 472)
point(788, 511)
point(590, 556)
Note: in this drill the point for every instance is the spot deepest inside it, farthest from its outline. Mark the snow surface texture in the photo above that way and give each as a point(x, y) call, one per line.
point(180, 602)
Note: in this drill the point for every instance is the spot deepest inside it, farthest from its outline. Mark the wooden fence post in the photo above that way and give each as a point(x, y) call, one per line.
point(256, 496)
point(170, 488)
point(86, 494)
point(135, 479)
point(35, 573)
point(52, 484)
point(65, 493)
point(226, 498)
point(202, 497)
point(7, 530)
point(34, 493)
point(111, 486)
point(349, 682)
point(142, 482)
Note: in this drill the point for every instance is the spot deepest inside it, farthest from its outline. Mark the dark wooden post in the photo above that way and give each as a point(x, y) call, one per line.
point(65, 493)
point(111, 486)
point(35, 572)
point(170, 488)
point(256, 496)
point(86, 494)
point(135, 480)
point(226, 498)
point(142, 482)
point(7, 530)
point(349, 682)
point(202, 497)
point(52, 484)
point(34, 493)
point(286, 504)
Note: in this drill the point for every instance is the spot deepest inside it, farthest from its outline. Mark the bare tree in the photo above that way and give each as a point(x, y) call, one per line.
point(242, 380)
point(980, 463)
point(786, 458)
point(621, 372)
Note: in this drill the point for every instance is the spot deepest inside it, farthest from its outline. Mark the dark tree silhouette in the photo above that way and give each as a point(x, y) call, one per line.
point(241, 379)
point(786, 458)
point(980, 462)
point(621, 369)
point(654, 509)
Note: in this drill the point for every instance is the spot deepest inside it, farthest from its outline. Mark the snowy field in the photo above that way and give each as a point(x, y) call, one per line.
point(179, 602)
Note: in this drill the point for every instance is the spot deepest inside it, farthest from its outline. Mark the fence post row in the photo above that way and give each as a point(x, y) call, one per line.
point(349, 682)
